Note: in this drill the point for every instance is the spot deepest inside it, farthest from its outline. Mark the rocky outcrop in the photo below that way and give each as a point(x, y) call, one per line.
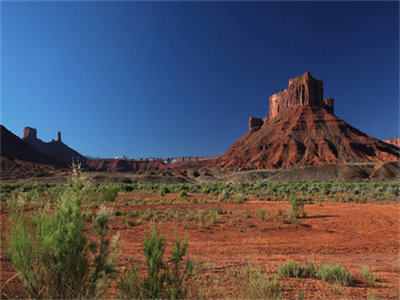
point(255, 123)
point(303, 131)
point(302, 90)
point(395, 142)
point(29, 133)
point(13, 148)
point(54, 149)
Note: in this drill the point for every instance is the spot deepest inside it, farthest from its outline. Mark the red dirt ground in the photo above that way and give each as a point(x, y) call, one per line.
point(354, 235)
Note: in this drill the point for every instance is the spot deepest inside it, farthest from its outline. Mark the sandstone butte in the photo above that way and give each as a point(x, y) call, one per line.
point(302, 130)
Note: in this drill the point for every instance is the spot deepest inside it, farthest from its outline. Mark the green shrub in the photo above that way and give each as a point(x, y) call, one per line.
point(258, 284)
point(295, 270)
point(296, 207)
point(262, 286)
point(107, 194)
point(164, 190)
point(53, 257)
point(261, 214)
point(291, 269)
point(162, 280)
point(182, 194)
point(335, 274)
point(368, 277)
point(311, 270)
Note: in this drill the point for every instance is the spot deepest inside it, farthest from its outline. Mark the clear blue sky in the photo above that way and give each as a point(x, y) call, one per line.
point(162, 79)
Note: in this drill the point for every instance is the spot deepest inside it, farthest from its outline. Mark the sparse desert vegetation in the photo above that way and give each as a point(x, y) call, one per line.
point(253, 233)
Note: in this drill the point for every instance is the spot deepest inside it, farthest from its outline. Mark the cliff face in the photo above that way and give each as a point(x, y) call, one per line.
point(302, 130)
point(302, 90)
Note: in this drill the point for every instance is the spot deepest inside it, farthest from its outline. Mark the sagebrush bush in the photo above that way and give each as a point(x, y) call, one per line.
point(296, 207)
point(291, 269)
point(335, 274)
point(368, 277)
point(258, 284)
point(162, 280)
point(53, 256)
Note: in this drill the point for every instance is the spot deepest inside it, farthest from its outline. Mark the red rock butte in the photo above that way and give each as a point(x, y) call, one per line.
point(302, 130)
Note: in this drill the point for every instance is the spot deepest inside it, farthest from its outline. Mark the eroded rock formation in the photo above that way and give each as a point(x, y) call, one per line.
point(30, 133)
point(55, 149)
point(302, 130)
point(302, 90)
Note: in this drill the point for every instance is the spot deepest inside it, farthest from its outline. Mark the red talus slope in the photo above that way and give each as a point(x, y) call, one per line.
point(305, 136)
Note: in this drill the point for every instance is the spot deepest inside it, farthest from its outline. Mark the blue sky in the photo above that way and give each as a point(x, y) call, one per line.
point(159, 79)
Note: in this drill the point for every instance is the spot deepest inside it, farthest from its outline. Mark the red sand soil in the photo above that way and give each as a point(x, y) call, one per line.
point(354, 235)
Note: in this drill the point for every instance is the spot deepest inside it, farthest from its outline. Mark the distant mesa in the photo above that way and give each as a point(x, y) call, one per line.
point(302, 130)
point(14, 148)
point(55, 149)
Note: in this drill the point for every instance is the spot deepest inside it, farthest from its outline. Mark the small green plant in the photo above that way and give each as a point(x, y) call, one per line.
point(258, 284)
point(261, 214)
point(182, 194)
point(128, 223)
point(295, 270)
point(335, 274)
point(162, 280)
point(336, 289)
point(291, 269)
point(368, 277)
point(164, 190)
point(296, 207)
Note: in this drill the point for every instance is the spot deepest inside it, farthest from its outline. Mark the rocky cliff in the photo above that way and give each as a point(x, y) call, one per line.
point(302, 90)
